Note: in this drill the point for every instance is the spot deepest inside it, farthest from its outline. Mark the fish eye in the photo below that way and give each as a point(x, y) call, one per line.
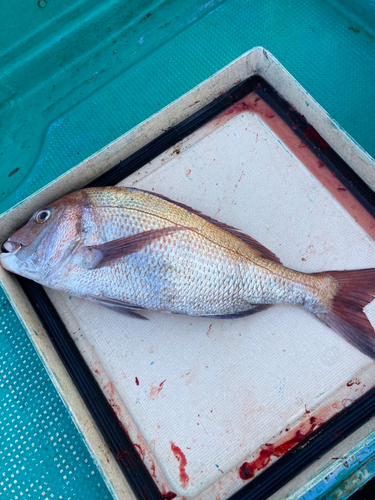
point(42, 216)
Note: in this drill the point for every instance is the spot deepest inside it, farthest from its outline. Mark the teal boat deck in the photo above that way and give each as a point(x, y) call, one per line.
point(76, 75)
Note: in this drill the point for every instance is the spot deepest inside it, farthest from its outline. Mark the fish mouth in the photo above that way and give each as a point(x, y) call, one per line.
point(10, 247)
point(8, 257)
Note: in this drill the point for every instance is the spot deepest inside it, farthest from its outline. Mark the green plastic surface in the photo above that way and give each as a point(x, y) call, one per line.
point(75, 75)
point(41, 453)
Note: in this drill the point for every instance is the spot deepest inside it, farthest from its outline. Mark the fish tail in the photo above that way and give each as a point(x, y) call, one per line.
point(353, 291)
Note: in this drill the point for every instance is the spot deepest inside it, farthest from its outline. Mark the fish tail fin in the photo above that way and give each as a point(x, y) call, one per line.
point(354, 290)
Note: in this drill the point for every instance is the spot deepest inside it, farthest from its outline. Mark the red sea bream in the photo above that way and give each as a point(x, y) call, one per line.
point(132, 250)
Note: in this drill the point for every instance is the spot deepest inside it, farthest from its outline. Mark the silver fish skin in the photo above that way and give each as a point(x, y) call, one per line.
point(132, 250)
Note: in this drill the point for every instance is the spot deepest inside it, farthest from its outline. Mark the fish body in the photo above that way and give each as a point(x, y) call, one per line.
point(132, 250)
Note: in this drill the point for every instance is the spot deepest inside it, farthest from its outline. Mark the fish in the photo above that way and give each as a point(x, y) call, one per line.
point(133, 251)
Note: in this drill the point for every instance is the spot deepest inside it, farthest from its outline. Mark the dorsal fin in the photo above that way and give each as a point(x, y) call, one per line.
point(263, 251)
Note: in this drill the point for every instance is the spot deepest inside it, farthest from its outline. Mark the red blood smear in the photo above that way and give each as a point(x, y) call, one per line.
point(120, 455)
point(111, 395)
point(168, 495)
point(355, 381)
point(268, 450)
point(110, 388)
point(154, 391)
point(180, 457)
point(115, 407)
point(136, 381)
point(311, 133)
point(142, 453)
point(240, 107)
point(153, 469)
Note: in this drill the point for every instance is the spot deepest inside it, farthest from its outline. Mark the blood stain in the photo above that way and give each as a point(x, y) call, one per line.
point(311, 133)
point(354, 381)
point(142, 453)
point(115, 407)
point(136, 381)
point(121, 454)
point(154, 391)
point(153, 469)
point(181, 459)
point(209, 329)
point(168, 495)
point(110, 388)
point(240, 177)
point(111, 399)
point(269, 450)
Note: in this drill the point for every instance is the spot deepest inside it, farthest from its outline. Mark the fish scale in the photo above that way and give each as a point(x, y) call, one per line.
point(130, 250)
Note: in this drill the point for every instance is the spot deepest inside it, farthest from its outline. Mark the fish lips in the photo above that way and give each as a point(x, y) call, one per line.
point(8, 256)
point(10, 247)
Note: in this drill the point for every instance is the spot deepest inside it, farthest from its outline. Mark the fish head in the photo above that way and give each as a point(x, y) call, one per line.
point(46, 241)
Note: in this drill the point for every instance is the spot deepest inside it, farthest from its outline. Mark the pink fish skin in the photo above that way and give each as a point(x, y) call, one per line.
point(132, 250)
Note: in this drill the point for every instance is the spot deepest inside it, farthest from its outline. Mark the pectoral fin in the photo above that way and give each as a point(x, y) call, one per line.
point(100, 255)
